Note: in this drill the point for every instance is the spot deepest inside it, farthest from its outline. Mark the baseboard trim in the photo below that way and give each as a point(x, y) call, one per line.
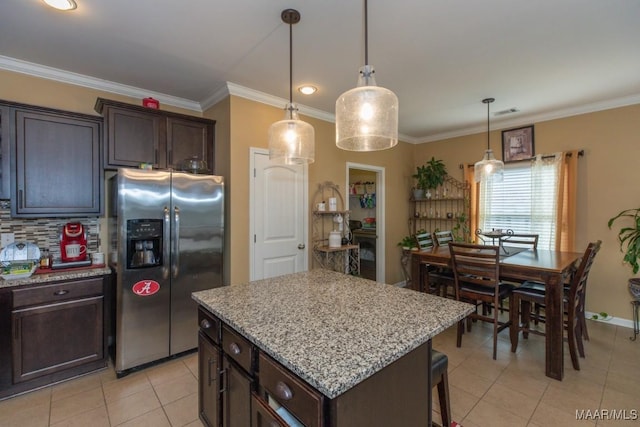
point(618, 321)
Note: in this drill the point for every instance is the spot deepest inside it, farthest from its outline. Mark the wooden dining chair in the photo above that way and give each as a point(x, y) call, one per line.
point(534, 292)
point(443, 273)
point(520, 240)
point(477, 280)
point(434, 276)
point(429, 284)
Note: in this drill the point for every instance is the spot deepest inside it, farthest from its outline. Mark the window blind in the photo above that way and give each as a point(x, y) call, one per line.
point(524, 202)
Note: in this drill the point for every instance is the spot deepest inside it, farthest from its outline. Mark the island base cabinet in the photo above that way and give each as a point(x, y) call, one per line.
point(236, 396)
point(398, 395)
point(224, 397)
point(209, 357)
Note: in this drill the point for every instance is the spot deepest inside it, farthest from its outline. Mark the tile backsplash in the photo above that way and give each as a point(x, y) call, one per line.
point(45, 232)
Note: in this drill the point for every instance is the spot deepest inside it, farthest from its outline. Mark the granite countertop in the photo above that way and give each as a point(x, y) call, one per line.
point(67, 274)
point(331, 329)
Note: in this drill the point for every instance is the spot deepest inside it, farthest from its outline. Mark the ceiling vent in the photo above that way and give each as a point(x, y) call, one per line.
point(507, 111)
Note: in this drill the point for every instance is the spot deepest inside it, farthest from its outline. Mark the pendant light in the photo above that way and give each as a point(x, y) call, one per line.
point(489, 168)
point(291, 141)
point(367, 116)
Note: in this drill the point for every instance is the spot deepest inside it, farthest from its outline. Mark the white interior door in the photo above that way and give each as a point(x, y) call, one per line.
point(278, 217)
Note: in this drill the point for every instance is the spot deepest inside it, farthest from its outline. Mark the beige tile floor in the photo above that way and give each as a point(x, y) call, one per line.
point(510, 391)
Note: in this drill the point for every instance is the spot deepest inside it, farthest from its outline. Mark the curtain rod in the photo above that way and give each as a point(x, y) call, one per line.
point(544, 156)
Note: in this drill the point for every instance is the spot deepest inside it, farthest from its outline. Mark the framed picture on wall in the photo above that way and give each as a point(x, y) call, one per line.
point(517, 144)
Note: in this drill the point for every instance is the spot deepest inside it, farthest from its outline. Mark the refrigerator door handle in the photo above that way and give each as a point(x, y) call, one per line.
point(166, 244)
point(175, 253)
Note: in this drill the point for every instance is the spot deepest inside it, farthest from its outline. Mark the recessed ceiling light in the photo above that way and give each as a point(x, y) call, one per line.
point(307, 90)
point(62, 4)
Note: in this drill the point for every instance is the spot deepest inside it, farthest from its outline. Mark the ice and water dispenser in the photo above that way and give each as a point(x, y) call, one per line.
point(144, 243)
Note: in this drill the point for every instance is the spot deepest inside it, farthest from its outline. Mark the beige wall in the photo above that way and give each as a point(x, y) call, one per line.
point(607, 184)
point(249, 126)
point(607, 176)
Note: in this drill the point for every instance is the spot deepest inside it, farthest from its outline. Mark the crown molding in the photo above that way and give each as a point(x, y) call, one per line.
point(537, 118)
point(42, 71)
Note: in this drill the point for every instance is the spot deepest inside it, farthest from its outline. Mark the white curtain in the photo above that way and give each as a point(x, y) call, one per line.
point(545, 187)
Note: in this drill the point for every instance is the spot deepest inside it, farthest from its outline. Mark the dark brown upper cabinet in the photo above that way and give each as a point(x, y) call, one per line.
point(55, 168)
point(136, 134)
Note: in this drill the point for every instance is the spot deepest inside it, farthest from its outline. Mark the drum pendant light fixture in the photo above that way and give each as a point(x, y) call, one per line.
point(367, 116)
point(291, 141)
point(489, 168)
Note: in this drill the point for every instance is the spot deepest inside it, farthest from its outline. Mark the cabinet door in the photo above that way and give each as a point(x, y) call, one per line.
point(189, 138)
point(54, 337)
point(57, 165)
point(209, 364)
point(5, 164)
point(134, 137)
point(236, 396)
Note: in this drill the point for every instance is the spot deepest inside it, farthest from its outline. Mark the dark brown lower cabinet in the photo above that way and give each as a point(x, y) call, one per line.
point(236, 395)
point(55, 331)
point(56, 327)
point(209, 361)
point(224, 386)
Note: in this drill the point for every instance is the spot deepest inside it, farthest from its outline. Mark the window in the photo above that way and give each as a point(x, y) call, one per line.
point(525, 202)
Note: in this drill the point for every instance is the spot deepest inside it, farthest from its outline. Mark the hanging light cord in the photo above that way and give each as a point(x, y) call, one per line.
point(488, 130)
point(366, 34)
point(290, 62)
point(488, 101)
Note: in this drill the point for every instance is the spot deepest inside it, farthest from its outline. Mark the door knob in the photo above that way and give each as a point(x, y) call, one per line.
point(301, 246)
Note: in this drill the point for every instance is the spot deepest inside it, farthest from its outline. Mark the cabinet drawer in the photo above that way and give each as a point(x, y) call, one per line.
point(209, 325)
point(297, 397)
point(238, 348)
point(262, 415)
point(57, 292)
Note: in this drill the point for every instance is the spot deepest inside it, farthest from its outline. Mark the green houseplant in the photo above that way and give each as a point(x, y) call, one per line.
point(407, 242)
point(629, 237)
point(430, 175)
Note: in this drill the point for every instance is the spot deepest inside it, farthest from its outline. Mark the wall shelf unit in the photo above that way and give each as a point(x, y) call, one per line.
point(446, 209)
point(346, 257)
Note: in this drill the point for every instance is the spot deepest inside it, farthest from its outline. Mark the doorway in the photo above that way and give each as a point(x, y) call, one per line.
point(278, 220)
point(365, 187)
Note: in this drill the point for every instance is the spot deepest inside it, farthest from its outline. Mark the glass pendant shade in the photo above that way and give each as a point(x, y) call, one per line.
point(62, 4)
point(367, 116)
point(291, 141)
point(489, 168)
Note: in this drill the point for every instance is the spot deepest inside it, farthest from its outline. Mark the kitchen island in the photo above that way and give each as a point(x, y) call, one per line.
point(320, 347)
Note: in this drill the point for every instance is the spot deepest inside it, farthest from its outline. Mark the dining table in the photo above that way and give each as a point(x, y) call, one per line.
point(550, 267)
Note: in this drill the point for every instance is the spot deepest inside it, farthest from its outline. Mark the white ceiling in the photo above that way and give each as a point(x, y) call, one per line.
point(441, 57)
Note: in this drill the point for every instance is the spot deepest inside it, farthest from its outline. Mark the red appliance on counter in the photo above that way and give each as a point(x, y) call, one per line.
point(73, 242)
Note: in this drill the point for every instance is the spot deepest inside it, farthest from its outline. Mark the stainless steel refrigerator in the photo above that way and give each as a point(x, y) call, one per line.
point(166, 232)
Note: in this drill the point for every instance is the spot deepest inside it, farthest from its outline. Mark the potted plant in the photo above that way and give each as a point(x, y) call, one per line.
point(430, 175)
point(629, 238)
point(407, 243)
